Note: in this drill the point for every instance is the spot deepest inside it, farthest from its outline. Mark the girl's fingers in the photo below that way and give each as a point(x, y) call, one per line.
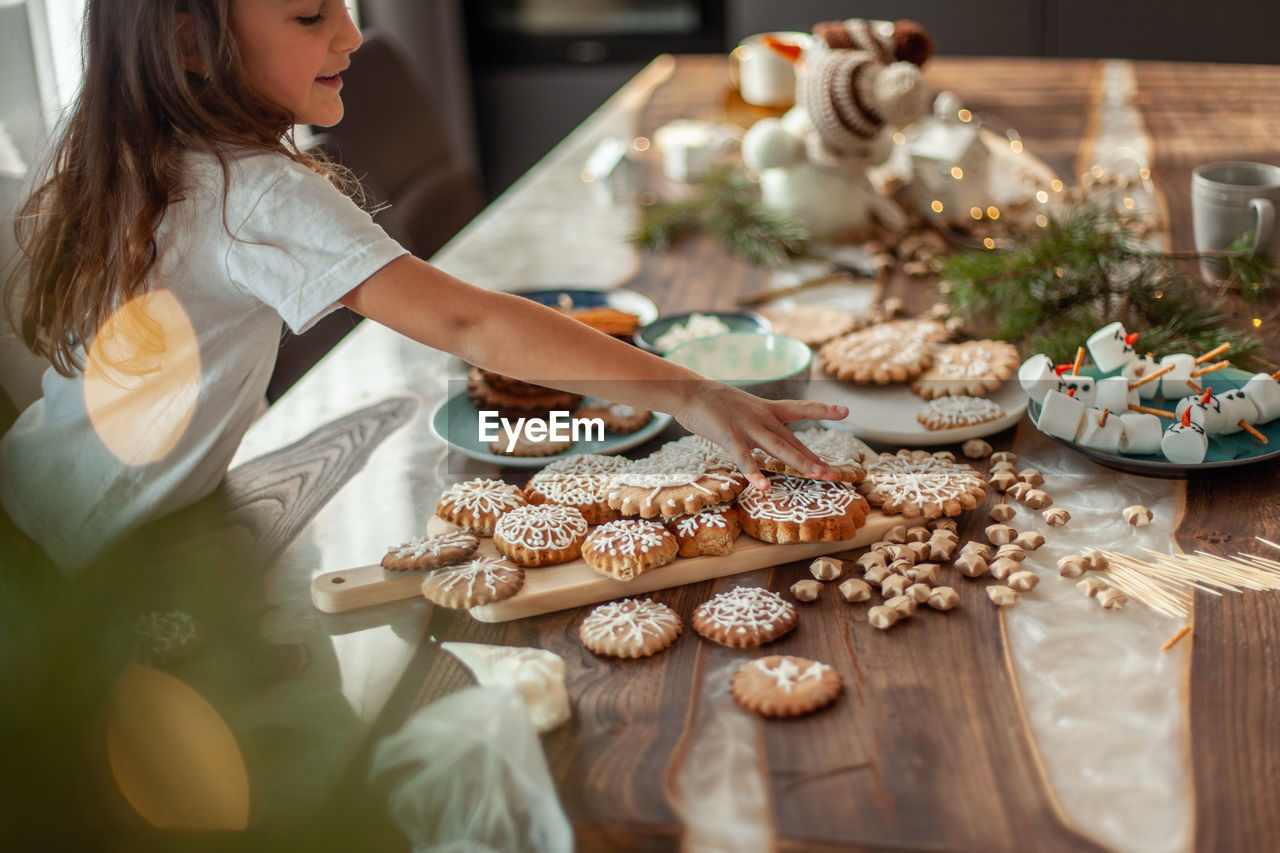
point(808, 410)
point(782, 444)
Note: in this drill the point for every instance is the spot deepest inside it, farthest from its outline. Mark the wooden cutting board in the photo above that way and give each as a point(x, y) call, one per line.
point(574, 583)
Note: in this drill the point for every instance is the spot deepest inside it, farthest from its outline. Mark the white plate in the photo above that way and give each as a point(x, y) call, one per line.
point(887, 413)
point(456, 422)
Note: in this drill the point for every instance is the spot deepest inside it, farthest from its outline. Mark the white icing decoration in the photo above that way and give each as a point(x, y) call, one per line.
point(629, 621)
point(796, 499)
point(747, 609)
point(587, 463)
point(958, 410)
point(416, 549)
point(548, 527)
point(629, 537)
point(786, 675)
point(957, 363)
point(490, 572)
point(482, 497)
point(712, 516)
point(921, 478)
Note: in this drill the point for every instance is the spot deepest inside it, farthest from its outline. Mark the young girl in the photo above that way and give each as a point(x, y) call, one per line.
point(180, 225)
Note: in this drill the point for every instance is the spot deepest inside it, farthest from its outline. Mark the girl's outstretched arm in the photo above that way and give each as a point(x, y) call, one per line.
point(518, 337)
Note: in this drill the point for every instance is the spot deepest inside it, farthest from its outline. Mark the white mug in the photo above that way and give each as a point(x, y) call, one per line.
point(1228, 199)
point(764, 76)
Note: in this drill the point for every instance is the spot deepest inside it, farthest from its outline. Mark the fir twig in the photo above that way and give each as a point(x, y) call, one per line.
point(1058, 284)
point(728, 208)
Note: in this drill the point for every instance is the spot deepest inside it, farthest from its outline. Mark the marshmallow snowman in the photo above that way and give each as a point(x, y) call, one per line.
point(1037, 376)
point(1100, 430)
point(1264, 392)
point(1142, 366)
point(1113, 393)
point(1111, 347)
point(1185, 442)
point(1060, 415)
point(1237, 409)
point(1085, 387)
point(1142, 433)
point(1207, 410)
point(1174, 383)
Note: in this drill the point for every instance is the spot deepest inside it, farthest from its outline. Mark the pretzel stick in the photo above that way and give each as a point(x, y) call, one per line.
point(1155, 374)
point(1194, 387)
point(1213, 353)
point(1102, 420)
point(1248, 427)
point(1147, 410)
point(1195, 374)
point(1075, 368)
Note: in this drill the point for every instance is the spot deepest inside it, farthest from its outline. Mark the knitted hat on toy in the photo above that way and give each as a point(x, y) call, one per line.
point(888, 41)
point(850, 95)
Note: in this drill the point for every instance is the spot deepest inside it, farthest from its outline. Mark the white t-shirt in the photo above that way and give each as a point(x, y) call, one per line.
point(168, 391)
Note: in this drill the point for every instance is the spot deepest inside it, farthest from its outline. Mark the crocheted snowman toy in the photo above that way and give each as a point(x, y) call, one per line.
point(856, 81)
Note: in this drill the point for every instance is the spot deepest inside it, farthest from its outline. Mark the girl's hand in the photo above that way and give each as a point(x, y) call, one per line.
point(740, 422)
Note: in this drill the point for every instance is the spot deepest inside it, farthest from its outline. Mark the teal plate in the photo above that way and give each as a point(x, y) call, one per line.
point(1225, 451)
point(457, 423)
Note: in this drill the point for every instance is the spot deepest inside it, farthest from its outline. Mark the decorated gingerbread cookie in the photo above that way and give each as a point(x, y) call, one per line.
point(674, 481)
point(785, 685)
point(955, 411)
point(793, 509)
point(477, 504)
point(429, 552)
point(479, 580)
point(745, 617)
point(632, 628)
point(534, 404)
point(972, 368)
point(527, 440)
point(578, 481)
point(628, 547)
point(916, 482)
point(711, 530)
point(841, 450)
point(540, 535)
point(890, 352)
point(616, 417)
point(813, 324)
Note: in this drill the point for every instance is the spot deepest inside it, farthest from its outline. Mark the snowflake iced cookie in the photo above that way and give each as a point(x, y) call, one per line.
point(578, 481)
point(540, 535)
point(889, 352)
point(916, 482)
point(628, 547)
point(955, 411)
point(632, 628)
point(841, 450)
point(971, 368)
point(785, 685)
point(745, 617)
point(813, 324)
point(711, 530)
point(429, 552)
point(793, 509)
point(477, 504)
point(477, 581)
point(677, 480)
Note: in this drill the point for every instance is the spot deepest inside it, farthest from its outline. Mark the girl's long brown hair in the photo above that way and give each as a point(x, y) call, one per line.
point(88, 233)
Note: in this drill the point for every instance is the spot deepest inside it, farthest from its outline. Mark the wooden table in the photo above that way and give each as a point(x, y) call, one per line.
point(928, 749)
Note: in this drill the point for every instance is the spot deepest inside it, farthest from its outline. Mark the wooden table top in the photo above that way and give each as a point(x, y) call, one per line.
point(912, 758)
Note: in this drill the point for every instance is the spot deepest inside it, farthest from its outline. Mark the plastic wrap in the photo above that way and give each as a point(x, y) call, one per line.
point(472, 777)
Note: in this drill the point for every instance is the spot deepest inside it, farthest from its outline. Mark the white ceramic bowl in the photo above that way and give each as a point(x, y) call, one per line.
point(768, 365)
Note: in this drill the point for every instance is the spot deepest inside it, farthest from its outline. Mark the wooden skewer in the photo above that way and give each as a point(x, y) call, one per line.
point(1169, 643)
point(1195, 374)
point(1147, 410)
point(1213, 353)
point(1075, 368)
point(1155, 374)
point(1267, 542)
point(1249, 428)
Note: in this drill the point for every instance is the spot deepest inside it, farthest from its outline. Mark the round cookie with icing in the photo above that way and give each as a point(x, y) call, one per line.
point(916, 482)
point(579, 482)
point(785, 685)
point(477, 581)
point(477, 504)
point(956, 411)
point(794, 509)
point(972, 368)
point(616, 417)
point(872, 357)
point(711, 530)
point(631, 628)
point(430, 552)
point(540, 535)
point(841, 450)
point(674, 481)
point(745, 617)
point(813, 324)
point(628, 547)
